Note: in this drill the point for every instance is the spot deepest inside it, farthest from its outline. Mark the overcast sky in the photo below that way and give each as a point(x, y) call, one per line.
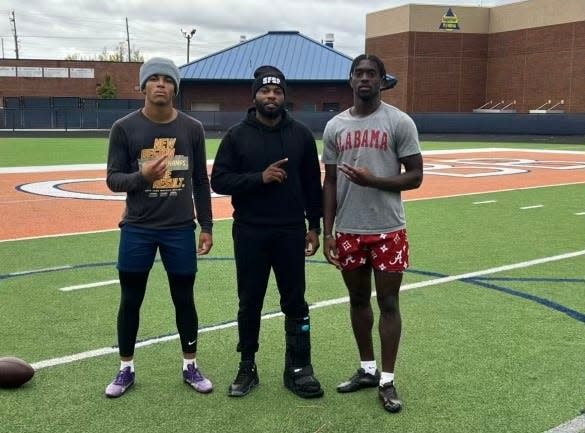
point(53, 29)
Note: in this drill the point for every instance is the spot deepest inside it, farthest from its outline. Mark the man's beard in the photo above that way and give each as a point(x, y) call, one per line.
point(267, 113)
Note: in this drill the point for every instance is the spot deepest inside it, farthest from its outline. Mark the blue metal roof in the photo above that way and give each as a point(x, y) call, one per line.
point(296, 55)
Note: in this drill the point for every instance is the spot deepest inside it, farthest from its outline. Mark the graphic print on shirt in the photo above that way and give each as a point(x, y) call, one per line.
point(354, 139)
point(167, 186)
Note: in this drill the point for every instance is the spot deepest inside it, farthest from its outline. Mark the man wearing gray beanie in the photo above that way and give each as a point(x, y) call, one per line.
point(160, 66)
point(157, 157)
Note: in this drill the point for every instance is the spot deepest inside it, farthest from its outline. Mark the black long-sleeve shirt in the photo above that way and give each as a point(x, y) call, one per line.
point(168, 202)
point(246, 150)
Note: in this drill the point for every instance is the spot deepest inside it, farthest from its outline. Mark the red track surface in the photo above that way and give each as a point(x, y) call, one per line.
point(26, 215)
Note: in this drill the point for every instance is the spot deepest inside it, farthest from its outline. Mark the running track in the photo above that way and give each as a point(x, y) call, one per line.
point(447, 174)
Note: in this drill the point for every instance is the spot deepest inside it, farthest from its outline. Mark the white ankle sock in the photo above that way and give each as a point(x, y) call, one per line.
point(386, 378)
point(369, 366)
point(124, 364)
point(186, 362)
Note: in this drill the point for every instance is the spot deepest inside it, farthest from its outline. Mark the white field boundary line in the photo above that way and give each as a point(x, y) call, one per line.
point(58, 168)
point(229, 218)
point(61, 235)
point(494, 191)
point(102, 166)
point(427, 283)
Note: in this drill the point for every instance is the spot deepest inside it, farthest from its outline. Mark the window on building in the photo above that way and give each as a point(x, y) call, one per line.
point(205, 106)
point(309, 107)
point(331, 106)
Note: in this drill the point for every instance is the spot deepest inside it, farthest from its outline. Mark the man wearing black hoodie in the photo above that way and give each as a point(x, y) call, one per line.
point(268, 163)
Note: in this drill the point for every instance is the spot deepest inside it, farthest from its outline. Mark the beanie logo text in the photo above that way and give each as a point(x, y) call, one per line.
point(271, 80)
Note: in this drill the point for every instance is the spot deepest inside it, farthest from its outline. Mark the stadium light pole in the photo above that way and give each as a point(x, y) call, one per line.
point(188, 36)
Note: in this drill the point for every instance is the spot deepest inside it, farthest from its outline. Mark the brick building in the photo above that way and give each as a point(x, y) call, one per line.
point(456, 59)
point(66, 78)
point(316, 76)
point(447, 59)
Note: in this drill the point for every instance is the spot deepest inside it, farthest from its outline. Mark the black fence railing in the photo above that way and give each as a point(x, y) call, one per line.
point(92, 117)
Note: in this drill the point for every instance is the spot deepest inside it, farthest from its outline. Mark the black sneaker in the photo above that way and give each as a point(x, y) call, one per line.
point(389, 397)
point(360, 380)
point(246, 379)
point(302, 382)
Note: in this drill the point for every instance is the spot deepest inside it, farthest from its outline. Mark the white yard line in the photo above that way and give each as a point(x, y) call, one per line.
point(485, 202)
point(576, 425)
point(89, 285)
point(536, 206)
point(433, 282)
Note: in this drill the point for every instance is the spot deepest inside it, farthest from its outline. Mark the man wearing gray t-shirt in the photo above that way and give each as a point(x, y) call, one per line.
point(368, 145)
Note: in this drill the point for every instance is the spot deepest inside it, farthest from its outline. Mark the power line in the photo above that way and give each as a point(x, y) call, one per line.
point(69, 37)
point(67, 18)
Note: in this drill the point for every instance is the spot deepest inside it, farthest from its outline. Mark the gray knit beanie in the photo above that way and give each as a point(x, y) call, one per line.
point(159, 66)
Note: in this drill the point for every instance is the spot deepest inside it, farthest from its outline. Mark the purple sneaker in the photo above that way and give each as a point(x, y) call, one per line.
point(195, 379)
point(123, 381)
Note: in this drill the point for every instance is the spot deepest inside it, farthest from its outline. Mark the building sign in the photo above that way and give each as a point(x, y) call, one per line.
point(449, 22)
point(29, 71)
point(46, 72)
point(7, 71)
point(56, 72)
point(81, 72)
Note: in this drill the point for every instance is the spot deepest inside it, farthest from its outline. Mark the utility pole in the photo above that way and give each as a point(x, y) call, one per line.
point(12, 19)
point(188, 36)
point(128, 40)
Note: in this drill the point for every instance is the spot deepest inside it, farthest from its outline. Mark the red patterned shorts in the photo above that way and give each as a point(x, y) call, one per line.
point(386, 252)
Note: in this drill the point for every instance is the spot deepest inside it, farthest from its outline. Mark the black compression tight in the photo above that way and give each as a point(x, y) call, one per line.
point(133, 285)
point(185, 314)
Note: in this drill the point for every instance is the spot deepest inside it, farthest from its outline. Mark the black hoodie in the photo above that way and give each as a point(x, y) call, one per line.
point(246, 150)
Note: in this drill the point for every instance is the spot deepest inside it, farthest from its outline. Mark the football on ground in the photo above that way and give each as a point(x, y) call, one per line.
point(14, 372)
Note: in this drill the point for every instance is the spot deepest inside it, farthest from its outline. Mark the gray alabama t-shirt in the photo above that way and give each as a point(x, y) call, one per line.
point(377, 142)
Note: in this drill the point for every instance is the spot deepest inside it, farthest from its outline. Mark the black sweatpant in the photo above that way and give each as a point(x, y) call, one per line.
point(257, 250)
